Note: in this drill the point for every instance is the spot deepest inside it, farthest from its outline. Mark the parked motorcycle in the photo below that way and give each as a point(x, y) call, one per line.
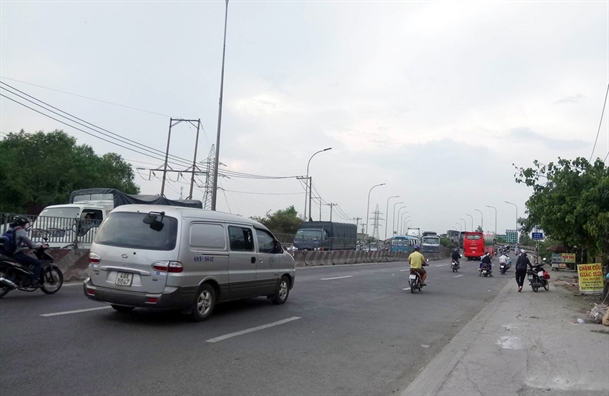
point(485, 270)
point(455, 265)
point(538, 277)
point(14, 275)
point(415, 281)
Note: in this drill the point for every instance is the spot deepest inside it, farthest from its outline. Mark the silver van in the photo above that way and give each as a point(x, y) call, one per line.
point(185, 259)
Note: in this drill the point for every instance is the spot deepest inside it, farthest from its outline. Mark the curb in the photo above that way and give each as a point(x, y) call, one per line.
point(430, 380)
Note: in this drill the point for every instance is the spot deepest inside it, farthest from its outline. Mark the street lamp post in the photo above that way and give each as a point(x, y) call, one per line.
point(472, 217)
point(464, 224)
point(387, 214)
point(398, 219)
point(368, 206)
point(308, 184)
point(460, 228)
point(406, 225)
point(401, 222)
point(517, 233)
point(214, 191)
point(481, 218)
point(404, 222)
point(393, 218)
point(489, 206)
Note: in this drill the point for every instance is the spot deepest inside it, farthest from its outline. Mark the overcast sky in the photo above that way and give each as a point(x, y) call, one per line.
point(435, 99)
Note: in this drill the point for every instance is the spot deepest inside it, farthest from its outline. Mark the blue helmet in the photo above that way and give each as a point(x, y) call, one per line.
point(416, 247)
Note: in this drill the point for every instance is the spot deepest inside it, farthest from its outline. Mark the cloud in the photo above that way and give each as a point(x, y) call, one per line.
point(571, 99)
point(527, 135)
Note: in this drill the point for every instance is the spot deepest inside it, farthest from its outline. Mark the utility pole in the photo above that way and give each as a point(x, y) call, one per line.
point(331, 205)
point(214, 194)
point(310, 197)
point(357, 219)
point(194, 160)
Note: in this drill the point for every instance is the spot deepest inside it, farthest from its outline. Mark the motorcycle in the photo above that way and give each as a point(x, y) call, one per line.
point(485, 270)
point(415, 279)
point(14, 275)
point(505, 267)
point(454, 265)
point(538, 277)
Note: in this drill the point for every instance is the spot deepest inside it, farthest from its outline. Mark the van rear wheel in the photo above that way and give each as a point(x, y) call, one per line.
point(204, 303)
point(283, 291)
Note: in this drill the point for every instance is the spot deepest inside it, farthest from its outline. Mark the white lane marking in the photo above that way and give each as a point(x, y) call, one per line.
point(266, 326)
point(440, 265)
point(456, 276)
point(403, 270)
point(75, 311)
point(406, 288)
point(337, 277)
point(71, 284)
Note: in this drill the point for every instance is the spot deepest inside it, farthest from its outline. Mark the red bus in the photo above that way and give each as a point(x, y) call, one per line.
point(473, 245)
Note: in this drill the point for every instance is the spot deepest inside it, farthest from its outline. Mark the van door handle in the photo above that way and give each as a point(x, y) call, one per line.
point(253, 260)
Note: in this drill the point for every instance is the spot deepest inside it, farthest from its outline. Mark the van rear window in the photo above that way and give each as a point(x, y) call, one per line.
point(126, 229)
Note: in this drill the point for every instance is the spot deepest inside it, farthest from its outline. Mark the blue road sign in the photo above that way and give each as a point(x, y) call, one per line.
point(537, 236)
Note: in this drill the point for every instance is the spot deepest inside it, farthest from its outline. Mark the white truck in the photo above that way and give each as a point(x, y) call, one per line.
point(75, 224)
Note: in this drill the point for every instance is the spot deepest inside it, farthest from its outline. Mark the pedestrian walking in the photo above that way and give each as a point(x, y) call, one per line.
point(522, 264)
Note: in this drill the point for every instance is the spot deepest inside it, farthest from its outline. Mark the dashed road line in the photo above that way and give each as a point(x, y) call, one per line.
point(337, 277)
point(406, 288)
point(238, 333)
point(75, 311)
point(456, 276)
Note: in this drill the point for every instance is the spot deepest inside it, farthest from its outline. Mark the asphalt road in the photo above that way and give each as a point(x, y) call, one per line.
point(344, 330)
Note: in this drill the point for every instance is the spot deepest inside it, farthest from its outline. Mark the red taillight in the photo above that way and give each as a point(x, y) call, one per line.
point(90, 292)
point(168, 266)
point(151, 300)
point(94, 258)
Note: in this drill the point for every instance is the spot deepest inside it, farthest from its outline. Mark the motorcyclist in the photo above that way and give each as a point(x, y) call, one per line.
point(456, 256)
point(504, 259)
point(486, 261)
point(21, 238)
point(417, 261)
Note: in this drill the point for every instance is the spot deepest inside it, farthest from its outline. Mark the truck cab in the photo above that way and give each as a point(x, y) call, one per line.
point(311, 239)
point(68, 226)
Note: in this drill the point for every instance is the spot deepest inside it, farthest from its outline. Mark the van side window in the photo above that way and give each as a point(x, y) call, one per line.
point(208, 236)
point(266, 242)
point(241, 239)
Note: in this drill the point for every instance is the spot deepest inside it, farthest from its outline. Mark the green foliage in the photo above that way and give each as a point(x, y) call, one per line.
point(44, 168)
point(479, 229)
point(570, 202)
point(447, 243)
point(284, 221)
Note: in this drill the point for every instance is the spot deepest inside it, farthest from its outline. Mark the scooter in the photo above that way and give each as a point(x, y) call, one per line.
point(454, 265)
point(485, 270)
point(505, 267)
point(14, 275)
point(538, 277)
point(415, 281)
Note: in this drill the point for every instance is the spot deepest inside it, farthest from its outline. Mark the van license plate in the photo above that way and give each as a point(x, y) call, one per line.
point(124, 279)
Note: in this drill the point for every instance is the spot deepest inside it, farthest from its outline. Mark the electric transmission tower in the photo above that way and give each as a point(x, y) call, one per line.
point(376, 218)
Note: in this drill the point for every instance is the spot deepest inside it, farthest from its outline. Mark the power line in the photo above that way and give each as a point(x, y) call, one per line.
point(115, 135)
point(599, 124)
point(87, 97)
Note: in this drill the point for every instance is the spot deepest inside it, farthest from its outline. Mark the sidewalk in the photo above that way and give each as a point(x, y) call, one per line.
point(522, 344)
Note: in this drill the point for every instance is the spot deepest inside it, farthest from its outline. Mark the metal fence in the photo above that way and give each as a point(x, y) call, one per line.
point(56, 231)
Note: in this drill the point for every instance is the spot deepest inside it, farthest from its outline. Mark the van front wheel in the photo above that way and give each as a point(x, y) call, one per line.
point(283, 291)
point(204, 303)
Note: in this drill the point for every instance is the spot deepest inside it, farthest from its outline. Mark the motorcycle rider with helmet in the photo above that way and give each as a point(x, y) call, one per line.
point(486, 261)
point(21, 238)
point(417, 261)
point(456, 256)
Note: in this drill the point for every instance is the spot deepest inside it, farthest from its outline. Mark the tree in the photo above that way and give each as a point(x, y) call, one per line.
point(447, 243)
point(44, 168)
point(479, 229)
point(570, 202)
point(284, 221)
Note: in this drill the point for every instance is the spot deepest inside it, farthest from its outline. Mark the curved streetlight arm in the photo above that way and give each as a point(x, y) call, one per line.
point(472, 217)
point(517, 233)
point(481, 218)
point(398, 218)
point(368, 206)
point(489, 206)
point(308, 183)
point(393, 218)
point(464, 224)
point(387, 214)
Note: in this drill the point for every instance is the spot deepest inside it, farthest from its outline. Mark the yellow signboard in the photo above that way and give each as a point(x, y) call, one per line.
point(590, 278)
point(568, 258)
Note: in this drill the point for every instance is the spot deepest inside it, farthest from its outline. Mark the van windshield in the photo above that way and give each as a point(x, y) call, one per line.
point(126, 229)
point(67, 211)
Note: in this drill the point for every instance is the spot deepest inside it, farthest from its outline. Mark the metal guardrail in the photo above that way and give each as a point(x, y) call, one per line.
point(56, 231)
